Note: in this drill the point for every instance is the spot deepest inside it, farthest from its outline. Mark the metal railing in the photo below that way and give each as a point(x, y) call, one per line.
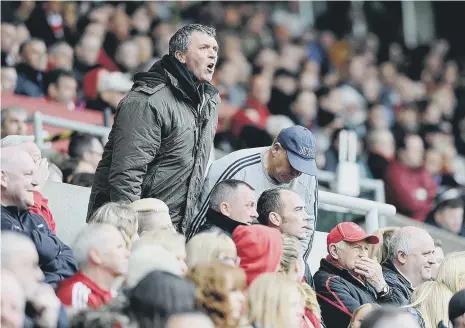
point(371, 209)
point(39, 120)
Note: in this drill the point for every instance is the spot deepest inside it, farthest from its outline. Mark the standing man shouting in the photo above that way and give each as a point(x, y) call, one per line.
point(163, 129)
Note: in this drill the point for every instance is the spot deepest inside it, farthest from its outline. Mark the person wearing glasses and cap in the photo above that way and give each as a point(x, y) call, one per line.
point(347, 277)
point(289, 163)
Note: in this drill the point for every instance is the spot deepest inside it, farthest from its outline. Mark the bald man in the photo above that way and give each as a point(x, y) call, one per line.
point(43, 308)
point(410, 262)
point(27, 144)
point(13, 301)
point(18, 179)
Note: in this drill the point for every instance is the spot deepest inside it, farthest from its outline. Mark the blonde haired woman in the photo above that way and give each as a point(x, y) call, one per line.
point(219, 292)
point(172, 241)
point(379, 251)
point(209, 247)
point(430, 304)
point(361, 313)
point(121, 216)
point(452, 271)
point(293, 266)
point(275, 301)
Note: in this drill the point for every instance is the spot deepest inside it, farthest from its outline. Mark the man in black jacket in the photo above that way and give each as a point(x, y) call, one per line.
point(347, 278)
point(18, 179)
point(232, 203)
point(409, 263)
point(163, 129)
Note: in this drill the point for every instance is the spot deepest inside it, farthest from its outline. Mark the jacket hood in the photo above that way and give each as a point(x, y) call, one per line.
point(171, 71)
point(259, 248)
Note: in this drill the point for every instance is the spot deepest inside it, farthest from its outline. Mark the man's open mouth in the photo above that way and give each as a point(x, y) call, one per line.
point(211, 67)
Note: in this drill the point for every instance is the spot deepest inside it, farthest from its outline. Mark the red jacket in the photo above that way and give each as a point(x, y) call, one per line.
point(80, 292)
point(41, 207)
point(259, 248)
point(411, 190)
point(240, 119)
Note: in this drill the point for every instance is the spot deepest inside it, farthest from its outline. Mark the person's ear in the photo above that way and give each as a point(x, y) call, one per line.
point(4, 180)
point(275, 219)
point(180, 56)
point(401, 257)
point(275, 149)
point(94, 256)
point(225, 209)
point(333, 251)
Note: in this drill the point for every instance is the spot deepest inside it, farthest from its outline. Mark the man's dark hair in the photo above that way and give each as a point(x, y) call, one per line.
point(23, 46)
point(401, 139)
point(79, 144)
point(181, 39)
point(269, 201)
point(54, 76)
point(450, 204)
point(224, 190)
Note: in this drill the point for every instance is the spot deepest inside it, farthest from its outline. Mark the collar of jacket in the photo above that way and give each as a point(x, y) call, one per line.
point(14, 210)
point(222, 221)
point(330, 266)
point(30, 73)
point(390, 266)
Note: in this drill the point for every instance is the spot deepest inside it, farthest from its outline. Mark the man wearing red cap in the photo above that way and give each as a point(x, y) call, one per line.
point(347, 277)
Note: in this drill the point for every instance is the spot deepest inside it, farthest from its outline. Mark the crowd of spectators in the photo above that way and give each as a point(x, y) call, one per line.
point(406, 109)
point(246, 265)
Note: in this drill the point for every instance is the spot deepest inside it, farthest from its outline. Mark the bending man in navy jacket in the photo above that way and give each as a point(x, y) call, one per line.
point(18, 178)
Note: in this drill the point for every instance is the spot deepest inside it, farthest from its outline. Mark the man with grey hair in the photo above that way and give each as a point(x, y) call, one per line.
point(232, 203)
point(13, 121)
point(102, 256)
point(19, 256)
point(163, 132)
point(410, 262)
point(347, 277)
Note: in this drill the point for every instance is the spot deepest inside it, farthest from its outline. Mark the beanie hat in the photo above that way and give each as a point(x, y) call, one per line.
point(260, 248)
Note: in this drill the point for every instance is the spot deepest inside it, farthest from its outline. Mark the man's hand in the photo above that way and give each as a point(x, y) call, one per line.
point(42, 172)
point(372, 271)
point(47, 305)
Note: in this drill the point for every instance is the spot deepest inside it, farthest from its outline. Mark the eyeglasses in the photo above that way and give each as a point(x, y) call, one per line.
point(236, 260)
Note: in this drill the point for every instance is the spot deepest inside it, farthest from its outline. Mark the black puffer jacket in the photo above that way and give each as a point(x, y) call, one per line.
point(401, 287)
point(160, 141)
point(339, 294)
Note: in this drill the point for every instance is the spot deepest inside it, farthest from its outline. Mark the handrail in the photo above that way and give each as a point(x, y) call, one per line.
point(360, 204)
point(39, 119)
point(368, 184)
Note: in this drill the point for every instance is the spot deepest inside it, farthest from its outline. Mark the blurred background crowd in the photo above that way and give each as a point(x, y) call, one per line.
point(351, 70)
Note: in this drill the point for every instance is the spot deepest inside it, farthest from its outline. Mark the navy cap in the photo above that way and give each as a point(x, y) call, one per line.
point(300, 145)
